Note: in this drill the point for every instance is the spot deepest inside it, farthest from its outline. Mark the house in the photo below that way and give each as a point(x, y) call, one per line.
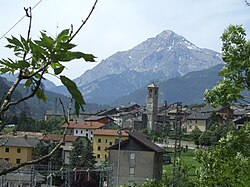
point(225, 112)
point(120, 118)
point(129, 107)
point(135, 160)
point(48, 115)
point(200, 120)
point(83, 128)
point(66, 146)
point(104, 138)
point(16, 150)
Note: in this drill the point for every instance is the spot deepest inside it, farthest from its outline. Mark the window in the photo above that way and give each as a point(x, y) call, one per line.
point(18, 161)
point(105, 156)
point(110, 143)
point(132, 156)
point(98, 156)
point(106, 140)
point(99, 148)
point(81, 131)
point(99, 140)
point(195, 121)
point(91, 132)
point(71, 131)
point(18, 150)
point(7, 149)
point(7, 159)
point(76, 131)
point(87, 135)
point(87, 130)
point(131, 171)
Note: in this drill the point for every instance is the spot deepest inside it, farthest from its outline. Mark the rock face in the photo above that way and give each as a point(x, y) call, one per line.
point(162, 57)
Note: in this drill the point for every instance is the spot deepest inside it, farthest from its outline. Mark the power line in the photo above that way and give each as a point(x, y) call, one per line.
point(19, 20)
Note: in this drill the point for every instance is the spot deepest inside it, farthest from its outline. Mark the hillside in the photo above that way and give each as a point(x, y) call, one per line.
point(188, 89)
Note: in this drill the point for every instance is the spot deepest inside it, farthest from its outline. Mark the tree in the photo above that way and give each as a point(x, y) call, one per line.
point(205, 138)
point(228, 163)
point(195, 135)
point(82, 154)
point(235, 84)
point(33, 60)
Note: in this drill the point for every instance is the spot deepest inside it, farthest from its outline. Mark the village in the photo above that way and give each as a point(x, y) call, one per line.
point(120, 140)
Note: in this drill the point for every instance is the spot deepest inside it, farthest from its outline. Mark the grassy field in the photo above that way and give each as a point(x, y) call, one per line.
point(187, 158)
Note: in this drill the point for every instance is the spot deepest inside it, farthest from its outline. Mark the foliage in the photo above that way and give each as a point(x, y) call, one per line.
point(82, 154)
point(228, 163)
point(236, 72)
point(195, 135)
point(36, 57)
point(43, 148)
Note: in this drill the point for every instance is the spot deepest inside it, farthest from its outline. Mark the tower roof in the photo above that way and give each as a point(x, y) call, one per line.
point(152, 85)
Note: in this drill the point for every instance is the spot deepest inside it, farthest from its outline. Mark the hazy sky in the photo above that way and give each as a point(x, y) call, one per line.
point(118, 25)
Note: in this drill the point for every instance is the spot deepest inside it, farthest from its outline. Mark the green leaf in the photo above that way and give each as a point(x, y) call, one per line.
point(59, 70)
point(73, 90)
point(4, 70)
point(40, 94)
point(46, 41)
point(63, 36)
point(77, 55)
point(28, 83)
point(25, 43)
point(15, 41)
point(23, 64)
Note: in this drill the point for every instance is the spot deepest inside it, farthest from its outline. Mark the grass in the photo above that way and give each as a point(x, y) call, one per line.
point(187, 158)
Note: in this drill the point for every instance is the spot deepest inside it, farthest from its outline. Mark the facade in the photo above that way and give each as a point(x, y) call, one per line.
point(83, 128)
point(201, 120)
point(152, 106)
point(16, 150)
point(225, 112)
point(104, 138)
point(139, 160)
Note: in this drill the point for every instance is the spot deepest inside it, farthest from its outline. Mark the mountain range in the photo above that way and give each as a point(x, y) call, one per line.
point(159, 58)
point(166, 59)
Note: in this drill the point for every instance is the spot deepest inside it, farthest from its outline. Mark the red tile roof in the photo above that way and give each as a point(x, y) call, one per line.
point(84, 125)
point(58, 137)
point(108, 132)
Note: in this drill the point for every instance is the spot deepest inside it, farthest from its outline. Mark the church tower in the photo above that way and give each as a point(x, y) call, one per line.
point(152, 106)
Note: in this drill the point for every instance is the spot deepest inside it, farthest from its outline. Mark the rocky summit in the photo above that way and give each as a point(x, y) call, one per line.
point(162, 57)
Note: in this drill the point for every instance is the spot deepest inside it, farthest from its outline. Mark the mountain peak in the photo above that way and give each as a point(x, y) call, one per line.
point(166, 34)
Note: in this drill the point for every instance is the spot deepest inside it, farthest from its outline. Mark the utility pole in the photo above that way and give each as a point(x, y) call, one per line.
point(177, 144)
point(119, 132)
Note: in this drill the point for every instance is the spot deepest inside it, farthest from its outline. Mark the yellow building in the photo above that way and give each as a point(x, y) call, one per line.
point(16, 150)
point(104, 138)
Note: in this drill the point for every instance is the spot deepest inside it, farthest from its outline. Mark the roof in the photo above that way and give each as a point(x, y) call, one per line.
point(95, 118)
point(152, 85)
point(142, 139)
point(209, 108)
point(84, 125)
point(109, 132)
point(199, 116)
point(19, 141)
point(58, 137)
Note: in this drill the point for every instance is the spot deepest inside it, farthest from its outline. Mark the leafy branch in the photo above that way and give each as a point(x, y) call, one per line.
point(34, 58)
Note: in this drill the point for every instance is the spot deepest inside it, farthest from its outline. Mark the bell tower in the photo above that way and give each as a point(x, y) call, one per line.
point(152, 106)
